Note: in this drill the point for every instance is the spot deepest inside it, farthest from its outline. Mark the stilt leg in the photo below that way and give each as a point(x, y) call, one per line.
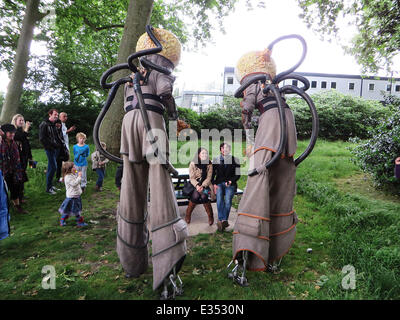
point(172, 286)
point(240, 267)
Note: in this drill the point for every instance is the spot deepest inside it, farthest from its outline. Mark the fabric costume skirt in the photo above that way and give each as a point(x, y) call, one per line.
point(266, 221)
point(71, 206)
point(168, 231)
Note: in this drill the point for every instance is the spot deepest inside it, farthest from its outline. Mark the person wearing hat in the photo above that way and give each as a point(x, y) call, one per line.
point(265, 227)
point(10, 165)
point(140, 173)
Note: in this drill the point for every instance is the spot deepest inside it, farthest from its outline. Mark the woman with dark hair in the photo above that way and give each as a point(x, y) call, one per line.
point(10, 165)
point(21, 138)
point(200, 174)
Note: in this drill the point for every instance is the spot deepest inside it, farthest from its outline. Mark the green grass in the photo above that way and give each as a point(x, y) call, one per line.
point(344, 223)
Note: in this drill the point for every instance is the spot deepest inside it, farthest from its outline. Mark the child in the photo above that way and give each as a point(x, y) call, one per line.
point(72, 205)
point(81, 152)
point(99, 165)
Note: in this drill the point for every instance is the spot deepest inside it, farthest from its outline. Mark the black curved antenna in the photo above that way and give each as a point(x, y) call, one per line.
point(290, 89)
point(113, 86)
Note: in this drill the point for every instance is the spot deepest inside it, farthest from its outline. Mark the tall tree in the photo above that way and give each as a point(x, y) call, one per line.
point(20, 66)
point(377, 22)
point(167, 16)
point(138, 17)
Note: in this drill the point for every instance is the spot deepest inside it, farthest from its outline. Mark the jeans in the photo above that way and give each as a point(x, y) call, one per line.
point(224, 200)
point(100, 176)
point(51, 167)
point(82, 169)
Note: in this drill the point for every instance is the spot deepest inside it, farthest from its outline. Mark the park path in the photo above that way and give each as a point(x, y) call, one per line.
point(199, 221)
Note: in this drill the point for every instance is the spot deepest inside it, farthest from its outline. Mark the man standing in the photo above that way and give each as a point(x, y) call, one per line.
point(65, 131)
point(63, 119)
point(52, 142)
point(226, 173)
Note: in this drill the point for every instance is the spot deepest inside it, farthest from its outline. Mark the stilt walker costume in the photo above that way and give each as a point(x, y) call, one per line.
point(265, 228)
point(144, 150)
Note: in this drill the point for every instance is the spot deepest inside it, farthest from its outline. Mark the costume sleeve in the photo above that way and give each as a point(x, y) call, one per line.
point(164, 84)
point(249, 99)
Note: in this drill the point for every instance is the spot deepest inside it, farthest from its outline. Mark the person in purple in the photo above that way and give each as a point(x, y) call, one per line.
point(397, 167)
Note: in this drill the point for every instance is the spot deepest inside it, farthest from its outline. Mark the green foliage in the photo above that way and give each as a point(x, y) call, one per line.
point(376, 155)
point(83, 40)
point(377, 22)
point(365, 230)
point(82, 116)
point(340, 116)
point(190, 117)
point(10, 19)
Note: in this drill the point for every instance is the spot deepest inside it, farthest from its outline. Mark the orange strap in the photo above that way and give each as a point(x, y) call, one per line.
point(282, 214)
point(254, 216)
point(273, 150)
point(283, 232)
point(259, 237)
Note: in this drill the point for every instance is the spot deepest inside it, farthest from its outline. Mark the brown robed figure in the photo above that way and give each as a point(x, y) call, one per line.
point(142, 172)
point(266, 224)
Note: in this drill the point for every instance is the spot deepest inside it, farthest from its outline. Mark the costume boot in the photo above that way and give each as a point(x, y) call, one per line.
point(189, 211)
point(210, 213)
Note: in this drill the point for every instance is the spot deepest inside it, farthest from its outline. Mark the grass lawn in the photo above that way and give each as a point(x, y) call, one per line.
point(341, 217)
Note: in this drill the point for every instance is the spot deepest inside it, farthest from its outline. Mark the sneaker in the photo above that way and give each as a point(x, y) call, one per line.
point(63, 223)
point(54, 189)
point(219, 226)
point(51, 191)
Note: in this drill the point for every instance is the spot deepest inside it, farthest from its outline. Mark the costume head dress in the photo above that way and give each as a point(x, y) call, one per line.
point(171, 47)
point(255, 63)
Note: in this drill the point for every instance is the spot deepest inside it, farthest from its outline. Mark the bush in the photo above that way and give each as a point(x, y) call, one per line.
point(340, 116)
point(190, 117)
point(376, 155)
point(83, 117)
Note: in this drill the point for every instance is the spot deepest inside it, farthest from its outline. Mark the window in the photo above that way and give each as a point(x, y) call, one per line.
point(371, 86)
point(351, 85)
point(323, 84)
point(313, 84)
point(333, 85)
point(294, 82)
point(397, 88)
point(229, 80)
point(389, 87)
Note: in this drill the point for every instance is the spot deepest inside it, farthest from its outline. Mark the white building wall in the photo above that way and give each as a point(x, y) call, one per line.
point(361, 87)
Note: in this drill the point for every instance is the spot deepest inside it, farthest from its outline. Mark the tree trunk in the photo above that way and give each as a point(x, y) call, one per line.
point(139, 12)
point(20, 69)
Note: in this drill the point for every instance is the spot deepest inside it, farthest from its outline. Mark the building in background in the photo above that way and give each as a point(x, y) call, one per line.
point(199, 101)
point(368, 87)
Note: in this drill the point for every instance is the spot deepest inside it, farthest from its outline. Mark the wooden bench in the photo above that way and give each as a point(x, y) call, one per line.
point(179, 182)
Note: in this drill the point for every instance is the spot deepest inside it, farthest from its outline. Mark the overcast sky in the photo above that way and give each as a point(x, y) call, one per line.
point(254, 30)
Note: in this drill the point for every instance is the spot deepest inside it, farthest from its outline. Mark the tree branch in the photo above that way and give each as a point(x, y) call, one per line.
point(97, 29)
